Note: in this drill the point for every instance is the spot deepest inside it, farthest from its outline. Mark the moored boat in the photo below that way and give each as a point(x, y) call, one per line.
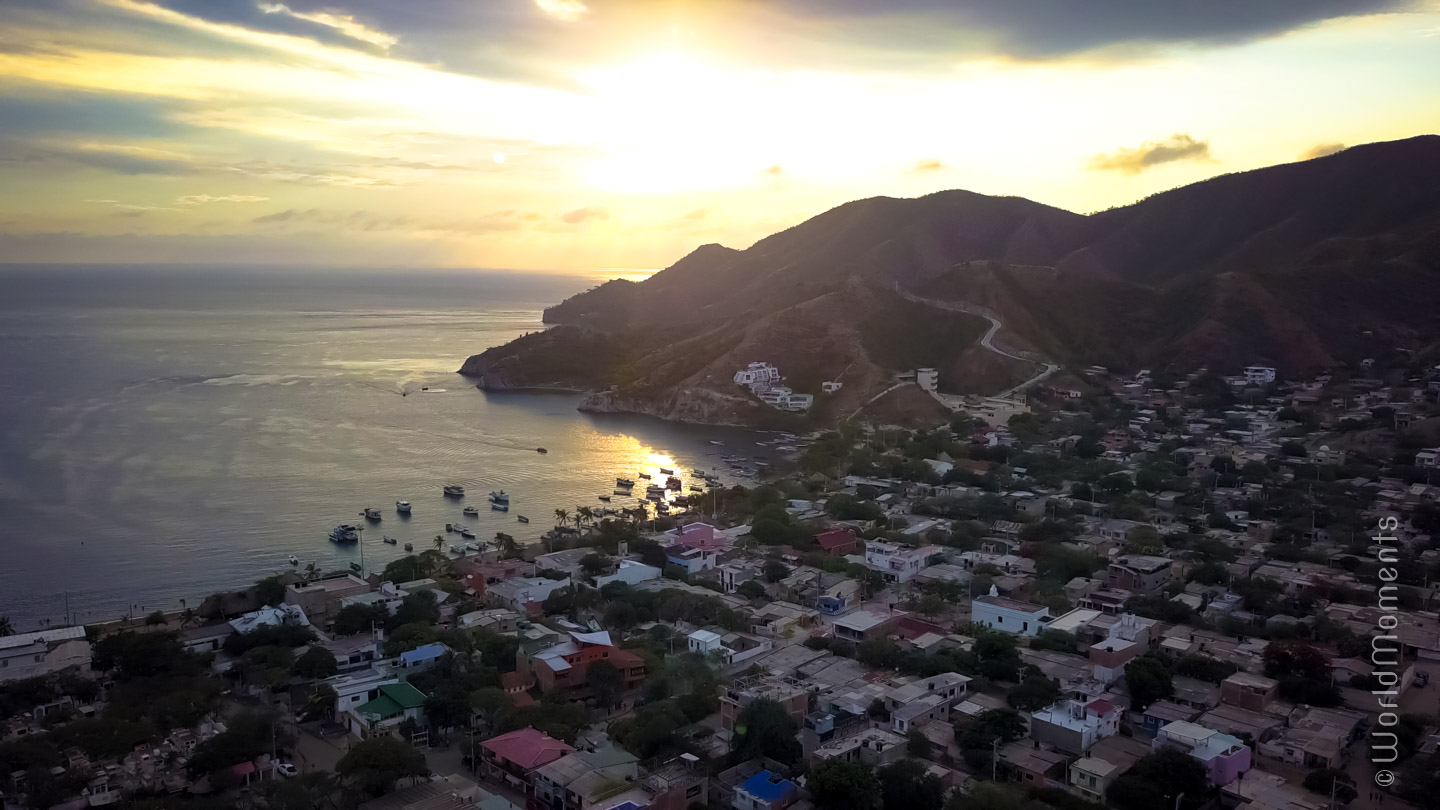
point(467, 533)
point(409, 546)
point(499, 497)
point(345, 533)
point(355, 566)
point(625, 483)
point(605, 498)
point(389, 541)
point(471, 511)
point(664, 471)
point(294, 560)
point(522, 518)
point(372, 514)
point(403, 507)
point(454, 491)
point(499, 507)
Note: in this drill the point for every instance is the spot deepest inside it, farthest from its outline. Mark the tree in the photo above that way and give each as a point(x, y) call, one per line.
point(562, 517)
point(1034, 693)
point(988, 796)
point(1286, 658)
point(1143, 538)
point(270, 590)
point(774, 571)
point(1155, 781)
point(1149, 680)
point(488, 703)
point(751, 589)
point(316, 663)
point(416, 608)
point(765, 729)
point(908, 785)
point(917, 744)
point(1323, 780)
point(404, 569)
point(247, 735)
point(594, 563)
point(155, 619)
point(839, 785)
point(6, 628)
point(606, 680)
point(977, 740)
point(374, 766)
point(353, 619)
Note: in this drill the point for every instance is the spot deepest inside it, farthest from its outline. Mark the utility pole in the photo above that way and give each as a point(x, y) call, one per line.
point(994, 758)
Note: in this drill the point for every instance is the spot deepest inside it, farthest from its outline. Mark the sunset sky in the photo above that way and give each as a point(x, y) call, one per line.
point(602, 135)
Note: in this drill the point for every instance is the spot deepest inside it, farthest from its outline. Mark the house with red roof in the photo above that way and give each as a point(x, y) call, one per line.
point(836, 542)
point(514, 758)
point(562, 668)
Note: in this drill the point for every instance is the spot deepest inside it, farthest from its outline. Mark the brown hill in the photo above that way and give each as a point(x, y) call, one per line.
point(1302, 266)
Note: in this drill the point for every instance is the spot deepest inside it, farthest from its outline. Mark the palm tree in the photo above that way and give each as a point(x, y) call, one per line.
point(507, 545)
point(6, 629)
point(312, 571)
point(561, 516)
point(439, 542)
point(584, 514)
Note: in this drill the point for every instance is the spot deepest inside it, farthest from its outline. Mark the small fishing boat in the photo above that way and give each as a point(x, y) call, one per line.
point(626, 483)
point(409, 546)
point(605, 498)
point(372, 514)
point(717, 442)
point(499, 497)
point(354, 566)
point(472, 547)
point(674, 483)
point(294, 560)
point(455, 549)
point(390, 541)
point(499, 507)
point(664, 471)
point(619, 491)
point(694, 488)
point(467, 533)
point(403, 507)
point(698, 471)
point(646, 476)
point(522, 518)
point(471, 511)
point(454, 491)
point(345, 533)
point(456, 527)
point(541, 450)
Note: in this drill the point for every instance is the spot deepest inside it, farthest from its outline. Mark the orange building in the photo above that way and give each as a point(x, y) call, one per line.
point(562, 668)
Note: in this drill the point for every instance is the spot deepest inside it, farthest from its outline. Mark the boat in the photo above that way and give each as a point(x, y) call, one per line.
point(403, 507)
point(409, 546)
point(522, 518)
point(345, 533)
point(467, 533)
point(294, 560)
point(472, 511)
point(455, 549)
point(626, 483)
point(694, 488)
point(455, 527)
point(472, 547)
point(390, 541)
point(372, 514)
point(605, 498)
point(354, 566)
point(664, 471)
point(541, 450)
point(619, 491)
point(499, 507)
point(500, 497)
point(454, 491)
point(698, 472)
point(717, 442)
point(674, 483)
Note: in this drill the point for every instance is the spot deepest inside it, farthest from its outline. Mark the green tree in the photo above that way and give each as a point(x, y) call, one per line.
point(839, 785)
point(270, 590)
point(765, 729)
point(607, 681)
point(6, 628)
point(353, 619)
point(1149, 680)
point(317, 662)
point(1157, 780)
point(247, 735)
point(988, 796)
point(594, 564)
point(917, 744)
point(908, 785)
point(155, 619)
point(1034, 693)
point(977, 740)
point(374, 766)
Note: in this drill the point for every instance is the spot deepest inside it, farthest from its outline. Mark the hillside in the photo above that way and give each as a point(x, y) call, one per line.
point(1303, 266)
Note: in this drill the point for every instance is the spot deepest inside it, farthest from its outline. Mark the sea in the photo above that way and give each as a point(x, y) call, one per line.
point(170, 432)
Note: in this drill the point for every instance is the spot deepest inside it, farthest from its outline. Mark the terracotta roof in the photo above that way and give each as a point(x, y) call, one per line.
point(527, 748)
point(834, 538)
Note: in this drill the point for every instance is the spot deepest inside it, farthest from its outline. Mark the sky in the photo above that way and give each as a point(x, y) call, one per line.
point(610, 136)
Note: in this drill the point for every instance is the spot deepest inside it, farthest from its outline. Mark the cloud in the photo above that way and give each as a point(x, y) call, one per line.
point(1180, 146)
point(131, 209)
point(928, 165)
point(586, 214)
point(343, 23)
point(201, 199)
point(696, 215)
point(775, 171)
point(563, 10)
point(1321, 150)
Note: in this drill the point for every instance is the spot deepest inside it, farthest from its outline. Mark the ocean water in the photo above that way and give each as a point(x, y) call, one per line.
point(168, 433)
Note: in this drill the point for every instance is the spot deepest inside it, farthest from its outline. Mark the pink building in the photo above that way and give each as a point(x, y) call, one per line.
point(1224, 757)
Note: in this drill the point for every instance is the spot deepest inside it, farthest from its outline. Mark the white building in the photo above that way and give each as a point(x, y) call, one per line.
point(782, 398)
point(268, 616)
point(927, 378)
point(1009, 615)
point(830, 386)
point(898, 563)
point(758, 376)
point(31, 655)
point(1259, 375)
point(1428, 458)
point(704, 642)
point(630, 572)
point(521, 591)
point(1073, 727)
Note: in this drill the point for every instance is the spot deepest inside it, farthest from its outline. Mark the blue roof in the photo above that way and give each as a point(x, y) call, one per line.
point(424, 652)
point(767, 786)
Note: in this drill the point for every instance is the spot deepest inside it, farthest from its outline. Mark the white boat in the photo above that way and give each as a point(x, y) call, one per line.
point(345, 533)
point(499, 497)
point(467, 534)
point(471, 511)
point(499, 507)
point(294, 560)
point(372, 513)
point(456, 527)
point(454, 491)
point(403, 507)
point(717, 442)
point(390, 541)
point(619, 491)
point(454, 549)
point(472, 547)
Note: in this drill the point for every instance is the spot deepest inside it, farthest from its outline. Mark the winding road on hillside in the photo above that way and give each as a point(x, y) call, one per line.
point(988, 341)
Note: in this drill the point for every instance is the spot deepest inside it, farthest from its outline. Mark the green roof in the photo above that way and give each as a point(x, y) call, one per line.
point(407, 696)
point(381, 707)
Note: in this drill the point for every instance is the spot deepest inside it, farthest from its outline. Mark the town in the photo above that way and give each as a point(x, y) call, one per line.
point(1133, 591)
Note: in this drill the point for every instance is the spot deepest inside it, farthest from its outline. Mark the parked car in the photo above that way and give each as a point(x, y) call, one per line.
point(286, 769)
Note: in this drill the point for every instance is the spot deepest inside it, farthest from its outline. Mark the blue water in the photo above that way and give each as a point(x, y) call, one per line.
point(169, 433)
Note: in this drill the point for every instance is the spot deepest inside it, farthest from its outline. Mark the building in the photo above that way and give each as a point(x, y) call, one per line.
point(875, 747)
point(393, 705)
point(758, 376)
point(693, 560)
point(321, 598)
point(521, 593)
point(1253, 692)
point(896, 562)
point(585, 779)
point(864, 625)
point(1033, 767)
point(514, 758)
point(928, 379)
point(277, 616)
point(1009, 615)
point(836, 542)
point(704, 642)
point(1259, 375)
point(1090, 776)
point(786, 691)
point(765, 791)
point(1141, 574)
point(1224, 757)
point(1073, 726)
point(453, 792)
point(565, 561)
point(32, 655)
point(630, 572)
point(562, 667)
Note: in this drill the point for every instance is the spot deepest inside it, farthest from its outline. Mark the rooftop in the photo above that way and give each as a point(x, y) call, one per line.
point(527, 747)
point(767, 786)
point(42, 637)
